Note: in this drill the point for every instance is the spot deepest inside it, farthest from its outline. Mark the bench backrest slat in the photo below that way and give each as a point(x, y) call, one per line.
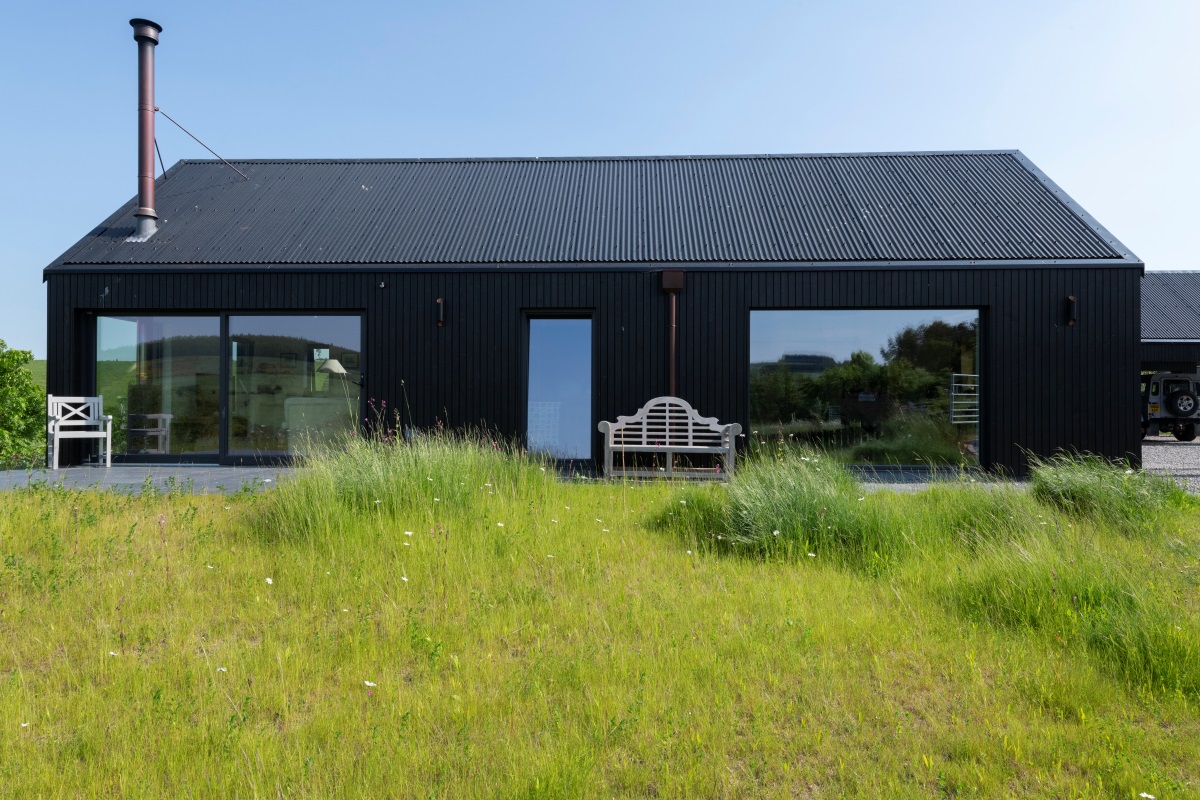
point(669, 422)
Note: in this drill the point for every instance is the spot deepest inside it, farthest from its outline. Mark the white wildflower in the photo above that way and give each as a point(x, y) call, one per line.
point(221, 669)
point(499, 524)
point(368, 683)
point(862, 498)
point(554, 520)
point(404, 578)
point(226, 508)
point(429, 478)
point(210, 566)
point(270, 581)
point(1147, 796)
point(683, 502)
point(377, 502)
point(812, 555)
point(437, 499)
point(111, 653)
point(548, 555)
point(24, 724)
point(408, 533)
point(604, 530)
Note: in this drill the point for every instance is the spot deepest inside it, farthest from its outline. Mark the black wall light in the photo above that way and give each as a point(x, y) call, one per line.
point(1072, 309)
point(441, 311)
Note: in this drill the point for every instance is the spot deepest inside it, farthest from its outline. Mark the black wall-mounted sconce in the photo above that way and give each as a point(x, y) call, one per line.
point(441, 308)
point(1072, 310)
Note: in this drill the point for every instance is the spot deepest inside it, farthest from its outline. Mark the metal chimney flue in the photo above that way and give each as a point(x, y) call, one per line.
point(145, 33)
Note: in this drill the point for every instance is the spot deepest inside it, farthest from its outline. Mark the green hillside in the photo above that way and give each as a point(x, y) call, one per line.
point(38, 368)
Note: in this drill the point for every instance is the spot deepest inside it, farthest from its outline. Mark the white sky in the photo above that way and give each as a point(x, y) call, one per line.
point(1101, 95)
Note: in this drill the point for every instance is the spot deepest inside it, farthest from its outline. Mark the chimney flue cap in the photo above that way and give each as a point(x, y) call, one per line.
point(145, 29)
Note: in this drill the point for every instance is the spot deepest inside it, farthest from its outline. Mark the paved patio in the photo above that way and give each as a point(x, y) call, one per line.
point(1162, 455)
point(198, 478)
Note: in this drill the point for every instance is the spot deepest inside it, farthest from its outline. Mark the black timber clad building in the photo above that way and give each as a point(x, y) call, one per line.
point(1171, 322)
point(445, 262)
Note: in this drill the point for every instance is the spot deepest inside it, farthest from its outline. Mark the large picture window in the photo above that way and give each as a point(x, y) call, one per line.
point(871, 386)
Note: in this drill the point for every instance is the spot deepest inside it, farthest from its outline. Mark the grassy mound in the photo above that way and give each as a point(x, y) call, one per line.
point(489, 629)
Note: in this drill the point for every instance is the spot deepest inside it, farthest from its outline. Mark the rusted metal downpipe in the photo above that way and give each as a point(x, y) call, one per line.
point(145, 33)
point(673, 356)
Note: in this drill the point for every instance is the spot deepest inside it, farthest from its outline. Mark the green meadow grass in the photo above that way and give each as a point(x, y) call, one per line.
point(37, 368)
point(449, 619)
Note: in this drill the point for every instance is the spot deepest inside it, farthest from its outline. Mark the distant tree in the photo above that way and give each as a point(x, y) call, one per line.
point(936, 347)
point(22, 410)
point(777, 394)
point(859, 373)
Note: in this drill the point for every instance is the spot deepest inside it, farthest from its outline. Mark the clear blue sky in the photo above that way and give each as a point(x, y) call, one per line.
point(1100, 94)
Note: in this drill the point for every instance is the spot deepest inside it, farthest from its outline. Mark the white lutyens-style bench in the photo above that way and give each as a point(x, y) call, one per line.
point(77, 418)
point(671, 427)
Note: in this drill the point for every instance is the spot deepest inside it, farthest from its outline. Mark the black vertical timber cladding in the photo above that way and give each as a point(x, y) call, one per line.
point(1046, 385)
point(1170, 356)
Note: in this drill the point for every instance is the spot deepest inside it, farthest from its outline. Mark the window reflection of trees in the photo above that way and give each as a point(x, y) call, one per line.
point(894, 408)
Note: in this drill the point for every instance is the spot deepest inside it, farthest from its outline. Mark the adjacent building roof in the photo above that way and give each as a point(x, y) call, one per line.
point(1171, 306)
point(992, 206)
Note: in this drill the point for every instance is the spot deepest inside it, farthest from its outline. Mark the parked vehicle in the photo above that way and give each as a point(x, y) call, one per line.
point(1171, 404)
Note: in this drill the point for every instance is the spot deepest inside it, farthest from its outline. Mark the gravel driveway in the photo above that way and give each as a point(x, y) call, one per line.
point(1166, 455)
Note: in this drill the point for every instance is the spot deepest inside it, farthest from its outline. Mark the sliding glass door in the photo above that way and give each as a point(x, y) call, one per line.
point(290, 382)
point(293, 382)
point(160, 379)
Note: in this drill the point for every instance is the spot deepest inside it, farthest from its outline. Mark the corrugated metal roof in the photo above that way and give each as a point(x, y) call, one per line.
point(1171, 305)
point(822, 208)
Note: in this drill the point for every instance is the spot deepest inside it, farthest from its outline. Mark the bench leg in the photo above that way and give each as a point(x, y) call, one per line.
point(54, 452)
point(108, 447)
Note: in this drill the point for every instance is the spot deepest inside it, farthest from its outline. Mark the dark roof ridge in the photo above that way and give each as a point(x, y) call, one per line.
point(709, 157)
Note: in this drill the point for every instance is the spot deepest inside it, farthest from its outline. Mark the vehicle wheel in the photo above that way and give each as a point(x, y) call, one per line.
point(1182, 404)
point(1185, 431)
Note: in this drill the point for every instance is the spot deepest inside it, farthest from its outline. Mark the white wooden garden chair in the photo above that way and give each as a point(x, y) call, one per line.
point(77, 418)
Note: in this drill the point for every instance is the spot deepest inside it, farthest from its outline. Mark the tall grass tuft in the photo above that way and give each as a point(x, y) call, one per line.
point(1089, 486)
point(789, 503)
point(361, 477)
